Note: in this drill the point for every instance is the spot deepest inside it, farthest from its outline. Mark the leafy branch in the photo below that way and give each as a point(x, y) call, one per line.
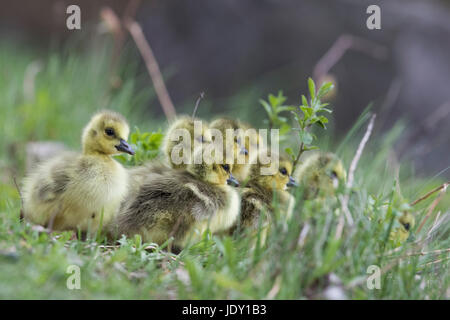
point(274, 106)
point(146, 145)
point(307, 115)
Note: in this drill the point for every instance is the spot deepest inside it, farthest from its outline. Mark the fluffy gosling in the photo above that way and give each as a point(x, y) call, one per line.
point(320, 174)
point(262, 189)
point(76, 191)
point(180, 203)
point(401, 233)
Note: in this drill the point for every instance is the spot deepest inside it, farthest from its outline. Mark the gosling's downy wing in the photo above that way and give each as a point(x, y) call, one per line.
point(176, 193)
point(44, 188)
point(52, 179)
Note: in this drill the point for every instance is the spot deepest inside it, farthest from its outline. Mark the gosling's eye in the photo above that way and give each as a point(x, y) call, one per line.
point(406, 225)
point(334, 174)
point(109, 132)
point(201, 139)
point(226, 167)
point(283, 171)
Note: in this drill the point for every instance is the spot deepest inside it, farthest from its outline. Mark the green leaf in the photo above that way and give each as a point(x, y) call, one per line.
point(308, 148)
point(297, 118)
point(266, 106)
point(273, 101)
point(320, 124)
point(285, 108)
point(304, 101)
point(281, 98)
point(323, 119)
point(307, 111)
point(312, 88)
point(324, 89)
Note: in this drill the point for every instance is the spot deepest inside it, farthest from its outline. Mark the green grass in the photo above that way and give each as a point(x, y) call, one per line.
point(33, 264)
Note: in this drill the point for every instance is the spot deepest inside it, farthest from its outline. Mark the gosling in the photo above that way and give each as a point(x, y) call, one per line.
point(262, 189)
point(81, 191)
point(402, 233)
point(320, 175)
point(179, 154)
point(180, 203)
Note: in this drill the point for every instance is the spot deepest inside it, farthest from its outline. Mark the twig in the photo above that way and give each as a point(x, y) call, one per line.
point(152, 66)
point(114, 24)
point(354, 163)
point(348, 215)
point(300, 152)
point(433, 206)
point(340, 47)
point(138, 36)
point(434, 262)
point(435, 224)
point(430, 193)
point(345, 199)
point(131, 9)
point(200, 98)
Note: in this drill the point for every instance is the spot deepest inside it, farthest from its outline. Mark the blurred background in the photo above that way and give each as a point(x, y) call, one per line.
point(236, 52)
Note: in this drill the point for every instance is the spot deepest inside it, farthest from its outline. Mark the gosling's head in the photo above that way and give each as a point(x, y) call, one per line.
point(321, 173)
point(236, 143)
point(407, 221)
point(106, 133)
point(214, 172)
point(280, 177)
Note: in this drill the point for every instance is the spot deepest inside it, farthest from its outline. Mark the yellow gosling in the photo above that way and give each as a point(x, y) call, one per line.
point(260, 192)
point(76, 191)
point(320, 174)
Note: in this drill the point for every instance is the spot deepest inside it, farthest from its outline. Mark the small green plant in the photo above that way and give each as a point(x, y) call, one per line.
point(274, 106)
point(307, 115)
point(146, 145)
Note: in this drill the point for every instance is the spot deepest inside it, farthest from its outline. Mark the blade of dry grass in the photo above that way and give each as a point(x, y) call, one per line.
point(433, 206)
point(345, 199)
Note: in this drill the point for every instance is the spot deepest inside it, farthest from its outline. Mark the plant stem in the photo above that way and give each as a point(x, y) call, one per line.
point(300, 152)
point(302, 147)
